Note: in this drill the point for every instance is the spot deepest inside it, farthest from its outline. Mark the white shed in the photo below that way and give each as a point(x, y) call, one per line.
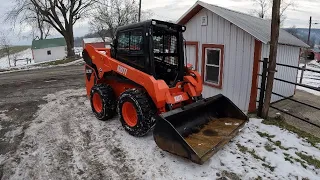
point(226, 46)
point(49, 49)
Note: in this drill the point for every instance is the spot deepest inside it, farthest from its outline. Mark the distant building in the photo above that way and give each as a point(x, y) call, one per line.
point(49, 49)
point(97, 42)
point(314, 54)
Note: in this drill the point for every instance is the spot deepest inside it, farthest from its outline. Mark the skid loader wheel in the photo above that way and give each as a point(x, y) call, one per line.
point(136, 110)
point(103, 101)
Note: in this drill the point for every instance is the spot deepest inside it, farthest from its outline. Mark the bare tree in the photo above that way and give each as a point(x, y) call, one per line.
point(25, 14)
point(110, 14)
point(264, 7)
point(59, 14)
point(6, 46)
point(40, 25)
point(99, 28)
point(285, 4)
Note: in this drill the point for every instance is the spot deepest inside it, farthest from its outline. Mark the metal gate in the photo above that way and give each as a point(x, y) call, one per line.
point(262, 89)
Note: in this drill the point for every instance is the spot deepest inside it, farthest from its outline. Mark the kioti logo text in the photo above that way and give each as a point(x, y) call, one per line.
point(122, 70)
point(178, 98)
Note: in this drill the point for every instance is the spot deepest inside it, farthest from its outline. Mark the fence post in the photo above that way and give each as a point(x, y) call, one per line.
point(263, 86)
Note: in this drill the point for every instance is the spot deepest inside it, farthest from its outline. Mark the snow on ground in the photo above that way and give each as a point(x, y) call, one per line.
point(4, 63)
point(22, 65)
point(43, 66)
point(310, 78)
point(66, 141)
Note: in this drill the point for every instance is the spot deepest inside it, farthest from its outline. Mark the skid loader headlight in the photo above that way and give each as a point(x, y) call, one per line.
point(154, 22)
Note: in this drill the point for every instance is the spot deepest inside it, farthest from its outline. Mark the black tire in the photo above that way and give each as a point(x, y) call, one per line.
point(108, 99)
point(145, 110)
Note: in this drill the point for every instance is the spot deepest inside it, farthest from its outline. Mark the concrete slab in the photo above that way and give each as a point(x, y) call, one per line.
point(300, 110)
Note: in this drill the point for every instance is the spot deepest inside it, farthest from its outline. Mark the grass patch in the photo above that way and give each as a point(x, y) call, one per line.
point(245, 150)
point(278, 143)
point(287, 157)
point(253, 153)
point(282, 124)
point(269, 167)
point(266, 135)
point(309, 159)
point(13, 50)
point(269, 147)
point(291, 159)
point(242, 149)
point(57, 62)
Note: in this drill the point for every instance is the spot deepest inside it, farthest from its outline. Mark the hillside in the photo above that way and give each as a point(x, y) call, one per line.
point(302, 33)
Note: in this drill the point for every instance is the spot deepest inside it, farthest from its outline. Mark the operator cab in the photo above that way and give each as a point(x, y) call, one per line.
point(154, 47)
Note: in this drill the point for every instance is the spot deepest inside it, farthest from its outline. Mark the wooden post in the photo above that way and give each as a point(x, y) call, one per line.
point(263, 86)
point(275, 27)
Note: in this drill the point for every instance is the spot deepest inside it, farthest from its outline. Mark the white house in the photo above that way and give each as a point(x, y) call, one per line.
point(226, 46)
point(49, 49)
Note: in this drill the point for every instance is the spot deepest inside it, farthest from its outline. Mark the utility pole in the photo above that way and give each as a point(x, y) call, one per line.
point(310, 23)
point(139, 19)
point(305, 53)
point(275, 27)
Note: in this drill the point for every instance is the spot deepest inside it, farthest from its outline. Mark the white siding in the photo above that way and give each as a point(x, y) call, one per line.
point(40, 55)
point(191, 54)
point(286, 55)
point(238, 55)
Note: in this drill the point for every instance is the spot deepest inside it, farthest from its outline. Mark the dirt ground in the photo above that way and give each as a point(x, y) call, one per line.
point(308, 113)
point(23, 92)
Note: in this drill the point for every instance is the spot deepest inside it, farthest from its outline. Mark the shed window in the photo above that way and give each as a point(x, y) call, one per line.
point(213, 65)
point(49, 52)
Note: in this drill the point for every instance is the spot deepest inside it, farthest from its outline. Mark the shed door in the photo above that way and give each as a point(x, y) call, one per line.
point(191, 54)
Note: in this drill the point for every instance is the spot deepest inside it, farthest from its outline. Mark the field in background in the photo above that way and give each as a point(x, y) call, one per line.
point(13, 50)
point(27, 53)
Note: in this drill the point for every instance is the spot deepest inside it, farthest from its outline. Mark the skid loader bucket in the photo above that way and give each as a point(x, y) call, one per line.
point(199, 130)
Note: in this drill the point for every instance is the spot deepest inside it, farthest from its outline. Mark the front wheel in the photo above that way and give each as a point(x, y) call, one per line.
point(136, 110)
point(103, 101)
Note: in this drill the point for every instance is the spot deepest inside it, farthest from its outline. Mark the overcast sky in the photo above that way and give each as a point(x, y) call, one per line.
point(173, 9)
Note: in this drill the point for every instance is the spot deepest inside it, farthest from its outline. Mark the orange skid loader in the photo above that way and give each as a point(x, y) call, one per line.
point(144, 78)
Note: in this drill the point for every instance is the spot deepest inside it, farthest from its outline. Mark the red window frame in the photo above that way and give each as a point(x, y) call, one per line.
point(196, 45)
point(216, 46)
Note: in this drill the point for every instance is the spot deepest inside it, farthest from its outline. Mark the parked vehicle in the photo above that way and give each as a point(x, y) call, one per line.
point(145, 78)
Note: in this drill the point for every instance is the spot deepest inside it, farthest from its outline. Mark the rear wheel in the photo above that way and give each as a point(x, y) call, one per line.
point(136, 110)
point(103, 101)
